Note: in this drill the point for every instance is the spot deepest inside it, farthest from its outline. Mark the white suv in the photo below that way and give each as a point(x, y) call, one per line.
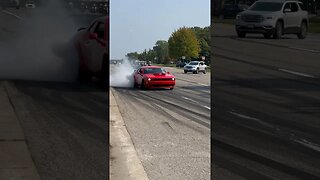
point(195, 67)
point(273, 18)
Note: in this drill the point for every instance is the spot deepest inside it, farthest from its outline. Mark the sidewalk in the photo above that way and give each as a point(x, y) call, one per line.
point(15, 158)
point(124, 161)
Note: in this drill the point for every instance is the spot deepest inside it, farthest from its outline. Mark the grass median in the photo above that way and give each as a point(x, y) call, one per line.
point(314, 26)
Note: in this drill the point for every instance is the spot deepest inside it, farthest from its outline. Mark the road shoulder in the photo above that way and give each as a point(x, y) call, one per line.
point(124, 161)
point(15, 157)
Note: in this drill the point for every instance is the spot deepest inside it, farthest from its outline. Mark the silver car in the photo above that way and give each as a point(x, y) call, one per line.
point(273, 18)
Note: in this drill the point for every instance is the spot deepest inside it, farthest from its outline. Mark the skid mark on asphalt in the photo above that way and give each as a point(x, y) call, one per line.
point(250, 118)
point(297, 73)
point(11, 14)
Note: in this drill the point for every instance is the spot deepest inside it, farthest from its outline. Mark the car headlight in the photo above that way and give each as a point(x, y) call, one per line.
point(172, 79)
point(238, 16)
point(149, 79)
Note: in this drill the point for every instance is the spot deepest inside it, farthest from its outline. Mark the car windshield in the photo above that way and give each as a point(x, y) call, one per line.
point(266, 6)
point(154, 70)
point(194, 63)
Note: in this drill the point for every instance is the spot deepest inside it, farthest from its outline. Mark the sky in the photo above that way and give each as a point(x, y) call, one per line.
point(137, 25)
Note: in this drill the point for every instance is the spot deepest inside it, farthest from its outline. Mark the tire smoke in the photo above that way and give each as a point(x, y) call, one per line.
point(39, 46)
point(121, 74)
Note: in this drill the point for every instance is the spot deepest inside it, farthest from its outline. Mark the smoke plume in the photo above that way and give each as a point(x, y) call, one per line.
point(121, 74)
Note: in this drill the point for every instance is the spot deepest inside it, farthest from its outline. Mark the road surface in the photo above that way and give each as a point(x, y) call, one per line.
point(170, 129)
point(266, 106)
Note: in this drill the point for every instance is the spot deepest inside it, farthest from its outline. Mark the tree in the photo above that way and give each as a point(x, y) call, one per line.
point(161, 49)
point(203, 36)
point(132, 56)
point(151, 54)
point(183, 42)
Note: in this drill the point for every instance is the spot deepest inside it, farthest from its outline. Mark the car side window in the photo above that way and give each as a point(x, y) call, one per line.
point(100, 30)
point(287, 6)
point(294, 7)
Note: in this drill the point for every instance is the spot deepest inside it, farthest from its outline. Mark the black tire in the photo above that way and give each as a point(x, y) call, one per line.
point(205, 71)
point(142, 85)
point(278, 30)
point(171, 88)
point(267, 35)
point(241, 34)
point(303, 31)
point(185, 72)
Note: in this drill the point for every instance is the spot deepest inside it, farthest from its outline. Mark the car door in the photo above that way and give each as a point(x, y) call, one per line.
point(297, 18)
point(97, 48)
point(139, 76)
point(288, 17)
point(85, 46)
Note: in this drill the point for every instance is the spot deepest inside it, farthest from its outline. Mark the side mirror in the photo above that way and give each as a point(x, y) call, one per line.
point(287, 10)
point(93, 36)
point(82, 28)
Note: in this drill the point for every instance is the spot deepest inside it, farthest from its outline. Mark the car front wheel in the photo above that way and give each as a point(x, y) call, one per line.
point(241, 34)
point(303, 31)
point(278, 31)
point(204, 71)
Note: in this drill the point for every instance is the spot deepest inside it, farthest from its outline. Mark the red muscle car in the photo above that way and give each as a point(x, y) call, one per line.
point(148, 77)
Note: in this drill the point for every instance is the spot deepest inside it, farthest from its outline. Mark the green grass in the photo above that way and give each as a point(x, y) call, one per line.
point(314, 25)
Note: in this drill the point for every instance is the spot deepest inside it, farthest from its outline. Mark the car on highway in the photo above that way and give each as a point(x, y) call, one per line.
point(273, 18)
point(195, 67)
point(92, 44)
point(30, 4)
point(148, 77)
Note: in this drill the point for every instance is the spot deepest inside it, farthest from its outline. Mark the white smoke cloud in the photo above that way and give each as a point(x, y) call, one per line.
point(121, 74)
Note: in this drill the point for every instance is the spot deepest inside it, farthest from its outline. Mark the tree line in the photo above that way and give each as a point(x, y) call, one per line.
point(183, 44)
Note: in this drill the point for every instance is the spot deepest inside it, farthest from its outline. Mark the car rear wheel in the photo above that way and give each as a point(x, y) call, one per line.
point(185, 72)
point(303, 31)
point(279, 31)
point(241, 34)
point(204, 71)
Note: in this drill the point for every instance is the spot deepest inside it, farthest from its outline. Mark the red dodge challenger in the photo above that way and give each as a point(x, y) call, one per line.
point(153, 77)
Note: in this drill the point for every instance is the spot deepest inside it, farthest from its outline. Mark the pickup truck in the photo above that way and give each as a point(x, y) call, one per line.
point(195, 67)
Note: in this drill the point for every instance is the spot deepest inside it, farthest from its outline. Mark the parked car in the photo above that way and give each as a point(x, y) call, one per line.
point(195, 67)
point(92, 44)
point(273, 18)
point(180, 64)
point(148, 77)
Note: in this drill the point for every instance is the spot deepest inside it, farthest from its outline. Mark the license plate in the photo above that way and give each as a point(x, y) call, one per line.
point(250, 26)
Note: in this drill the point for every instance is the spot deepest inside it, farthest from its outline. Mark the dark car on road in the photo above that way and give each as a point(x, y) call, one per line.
point(92, 44)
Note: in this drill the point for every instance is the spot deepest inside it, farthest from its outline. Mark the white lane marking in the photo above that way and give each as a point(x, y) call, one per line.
point(303, 49)
point(189, 99)
point(203, 84)
point(207, 107)
point(250, 118)
point(10, 13)
point(297, 73)
point(308, 144)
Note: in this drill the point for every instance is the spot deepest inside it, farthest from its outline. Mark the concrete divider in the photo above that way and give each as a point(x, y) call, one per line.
point(124, 161)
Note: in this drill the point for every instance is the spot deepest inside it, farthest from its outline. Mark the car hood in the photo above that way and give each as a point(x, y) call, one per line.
point(262, 13)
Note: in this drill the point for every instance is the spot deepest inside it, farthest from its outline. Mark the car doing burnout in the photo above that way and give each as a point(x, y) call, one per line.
point(153, 77)
point(92, 45)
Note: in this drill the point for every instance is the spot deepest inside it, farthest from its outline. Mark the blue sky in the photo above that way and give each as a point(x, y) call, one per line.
point(136, 25)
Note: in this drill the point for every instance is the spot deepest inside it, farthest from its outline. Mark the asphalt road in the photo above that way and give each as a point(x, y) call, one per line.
point(64, 123)
point(266, 106)
point(170, 129)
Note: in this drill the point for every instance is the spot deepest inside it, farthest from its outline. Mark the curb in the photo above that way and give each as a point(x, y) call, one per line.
point(15, 157)
point(124, 160)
